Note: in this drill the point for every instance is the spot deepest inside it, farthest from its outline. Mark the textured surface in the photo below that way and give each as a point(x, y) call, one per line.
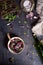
point(39, 8)
point(20, 27)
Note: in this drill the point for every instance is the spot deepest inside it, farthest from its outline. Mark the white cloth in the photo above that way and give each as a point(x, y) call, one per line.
point(38, 31)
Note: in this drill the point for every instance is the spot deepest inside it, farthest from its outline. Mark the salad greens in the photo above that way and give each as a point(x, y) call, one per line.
point(10, 17)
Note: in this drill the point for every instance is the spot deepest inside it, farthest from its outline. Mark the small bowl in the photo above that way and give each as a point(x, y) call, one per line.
point(14, 47)
point(31, 8)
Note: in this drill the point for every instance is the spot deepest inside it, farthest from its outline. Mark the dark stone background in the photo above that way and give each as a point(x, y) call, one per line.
point(29, 56)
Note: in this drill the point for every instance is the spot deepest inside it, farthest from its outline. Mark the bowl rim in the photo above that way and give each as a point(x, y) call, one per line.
point(32, 1)
point(10, 48)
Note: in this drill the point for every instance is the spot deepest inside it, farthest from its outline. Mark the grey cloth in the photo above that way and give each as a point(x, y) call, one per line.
point(3, 26)
point(22, 28)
